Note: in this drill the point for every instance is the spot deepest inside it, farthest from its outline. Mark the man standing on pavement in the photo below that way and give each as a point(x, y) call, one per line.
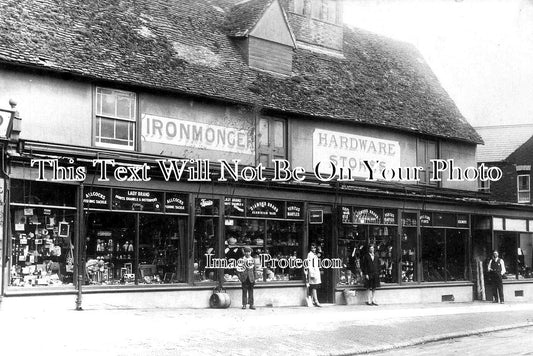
point(496, 270)
point(371, 266)
point(246, 274)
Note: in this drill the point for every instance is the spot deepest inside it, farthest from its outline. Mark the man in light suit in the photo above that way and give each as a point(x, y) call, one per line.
point(246, 274)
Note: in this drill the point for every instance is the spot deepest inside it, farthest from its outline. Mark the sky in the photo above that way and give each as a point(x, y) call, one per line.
point(481, 50)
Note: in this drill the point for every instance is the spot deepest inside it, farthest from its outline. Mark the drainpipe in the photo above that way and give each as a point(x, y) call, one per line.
point(80, 256)
point(12, 135)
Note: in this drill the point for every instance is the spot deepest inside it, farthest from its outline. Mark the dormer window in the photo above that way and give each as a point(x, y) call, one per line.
point(265, 36)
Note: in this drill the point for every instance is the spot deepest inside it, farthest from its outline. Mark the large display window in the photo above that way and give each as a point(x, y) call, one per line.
point(360, 228)
point(273, 228)
point(135, 237)
point(444, 246)
point(408, 247)
point(42, 244)
point(206, 238)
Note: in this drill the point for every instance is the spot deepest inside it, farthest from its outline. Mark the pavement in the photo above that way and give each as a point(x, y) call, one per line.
point(330, 330)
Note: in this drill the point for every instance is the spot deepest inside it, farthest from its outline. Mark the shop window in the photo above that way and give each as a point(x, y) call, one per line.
point(525, 256)
point(205, 239)
point(506, 245)
point(433, 255)
point(444, 254)
point(110, 248)
point(280, 239)
point(357, 233)
point(523, 183)
point(42, 193)
point(408, 248)
point(271, 140)
point(426, 150)
point(42, 247)
point(115, 119)
point(162, 257)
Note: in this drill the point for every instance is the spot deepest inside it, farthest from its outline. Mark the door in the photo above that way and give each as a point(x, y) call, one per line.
point(321, 234)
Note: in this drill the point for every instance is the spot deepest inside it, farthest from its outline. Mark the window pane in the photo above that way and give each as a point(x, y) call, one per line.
point(240, 233)
point(124, 107)
point(110, 249)
point(279, 134)
point(108, 104)
point(525, 256)
point(205, 243)
point(408, 245)
point(299, 6)
point(284, 243)
point(505, 243)
point(263, 159)
point(433, 255)
point(122, 130)
point(43, 256)
point(316, 9)
point(263, 132)
point(107, 128)
point(162, 258)
point(332, 11)
point(456, 255)
point(523, 182)
point(384, 240)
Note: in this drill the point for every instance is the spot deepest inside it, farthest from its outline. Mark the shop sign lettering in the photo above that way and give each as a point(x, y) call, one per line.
point(389, 217)
point(207, 206)
point(176, 203)
point(295, 210)
point(177, 132)
point(234, 207)
point(265, 208)
point(96, 198)
point(462, 221)
point(425, 220)
point(350, 151)
point(346, 215)
point(316, 216)
point(367, 216)
point(137, 200)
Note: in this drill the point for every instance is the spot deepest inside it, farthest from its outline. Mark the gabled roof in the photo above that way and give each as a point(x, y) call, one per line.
point(501, 141)
point(244, 15)
point(182, 46)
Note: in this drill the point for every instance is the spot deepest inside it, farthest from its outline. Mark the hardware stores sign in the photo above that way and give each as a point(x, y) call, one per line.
point(350, 151)
point(177, 132)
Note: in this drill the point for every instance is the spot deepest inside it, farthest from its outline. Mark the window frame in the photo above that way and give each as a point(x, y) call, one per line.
point(99, 115)
point(518, 190)
point(424, 143)
point(270, 149)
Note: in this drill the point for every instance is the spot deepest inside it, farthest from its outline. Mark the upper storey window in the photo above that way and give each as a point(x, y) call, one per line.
point(272, 141)
point(325, 10)
point(115, 119)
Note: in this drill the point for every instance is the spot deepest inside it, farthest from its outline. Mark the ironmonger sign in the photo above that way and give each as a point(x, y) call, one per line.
point(195, 134)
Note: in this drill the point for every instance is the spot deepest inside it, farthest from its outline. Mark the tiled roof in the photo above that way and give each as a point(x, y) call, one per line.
point(183, 46)
point(244, 15)
point(501, 141)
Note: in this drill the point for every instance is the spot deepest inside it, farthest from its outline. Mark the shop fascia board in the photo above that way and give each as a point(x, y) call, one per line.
point(85, 155)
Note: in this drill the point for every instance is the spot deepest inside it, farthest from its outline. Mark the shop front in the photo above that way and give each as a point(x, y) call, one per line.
point(426, 250)
point(155, 242)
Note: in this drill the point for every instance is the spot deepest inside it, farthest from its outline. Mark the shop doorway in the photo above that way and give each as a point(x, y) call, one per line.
point(320, 229)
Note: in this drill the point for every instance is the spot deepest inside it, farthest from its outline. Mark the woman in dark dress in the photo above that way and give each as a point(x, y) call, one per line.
point(370, 266)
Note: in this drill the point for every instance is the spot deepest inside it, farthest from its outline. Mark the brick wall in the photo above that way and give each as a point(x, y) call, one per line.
point(505, 188)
